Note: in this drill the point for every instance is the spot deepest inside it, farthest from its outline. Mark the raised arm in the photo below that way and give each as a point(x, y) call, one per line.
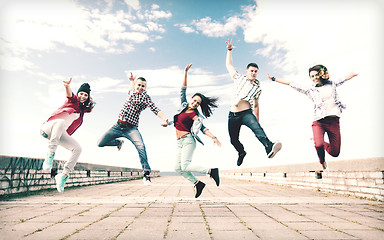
point(228, 63)
point(185, 74)
point(132, 80)
point(279, 80)
point(68, 89)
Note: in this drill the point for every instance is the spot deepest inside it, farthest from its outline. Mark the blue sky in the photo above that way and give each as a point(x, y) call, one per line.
point(45, 42)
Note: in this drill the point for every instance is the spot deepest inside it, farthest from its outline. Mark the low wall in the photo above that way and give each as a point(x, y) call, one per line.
point(360, 178)
point(20, 175)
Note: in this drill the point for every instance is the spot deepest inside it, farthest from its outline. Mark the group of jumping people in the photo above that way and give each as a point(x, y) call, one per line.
point(188, 120)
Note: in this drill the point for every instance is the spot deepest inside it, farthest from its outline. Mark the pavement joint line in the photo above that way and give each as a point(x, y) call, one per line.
point(377, 228)
point(338, 230)
point(169, 221)
point(43, 214)
point(130, 223)
point(242, 221)
point(62, 220)
point(98, 220)
point(206, 222)
point(274, 219)
point(131, 192)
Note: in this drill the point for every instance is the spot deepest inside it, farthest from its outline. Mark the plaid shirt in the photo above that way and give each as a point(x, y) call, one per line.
point(245, 90)
point(314, 94)
point(134, 105)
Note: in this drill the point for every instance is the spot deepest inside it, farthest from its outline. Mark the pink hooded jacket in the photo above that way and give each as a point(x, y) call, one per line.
point(71, 105)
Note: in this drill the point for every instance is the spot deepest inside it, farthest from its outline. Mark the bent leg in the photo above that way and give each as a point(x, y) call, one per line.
point(334, 136)
point(135, 137)
point(234, 125)
point(72, 145)
point(186, 147)
point(109, 138)
point(251, 122)
point(318, 137)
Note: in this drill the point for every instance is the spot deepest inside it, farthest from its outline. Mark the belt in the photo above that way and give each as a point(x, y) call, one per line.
point(183, 136)
point(124, 124)
point(235, 114)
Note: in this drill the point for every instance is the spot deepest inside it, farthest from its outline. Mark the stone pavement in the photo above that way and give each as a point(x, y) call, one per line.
point(168, 210)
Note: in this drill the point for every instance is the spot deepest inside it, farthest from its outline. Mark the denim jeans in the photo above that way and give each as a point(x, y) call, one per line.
point(56, 133)
point(132, 134)
point(247, 118)
point(185, 148)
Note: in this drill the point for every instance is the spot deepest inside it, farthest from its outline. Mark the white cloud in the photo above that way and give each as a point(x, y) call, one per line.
point(42, 25)
point(135, 4)
point(213, 28)
point(186, 29)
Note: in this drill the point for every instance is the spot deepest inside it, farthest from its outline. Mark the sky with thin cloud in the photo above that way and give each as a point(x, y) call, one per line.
point(44, 42)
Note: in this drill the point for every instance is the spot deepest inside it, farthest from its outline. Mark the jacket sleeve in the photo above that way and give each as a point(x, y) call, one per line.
point(183, 94)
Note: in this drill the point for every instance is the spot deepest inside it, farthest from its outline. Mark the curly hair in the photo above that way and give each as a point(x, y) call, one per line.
point(322, 71)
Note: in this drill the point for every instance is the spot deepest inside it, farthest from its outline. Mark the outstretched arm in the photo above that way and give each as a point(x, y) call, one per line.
point(215, 140)
point(230, 68)
point(350, 76)
point(279, 80)
point(185, 74)
point(164, 118)
point(68, 89)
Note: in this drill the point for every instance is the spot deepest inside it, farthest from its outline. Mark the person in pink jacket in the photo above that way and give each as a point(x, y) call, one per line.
point(62, 124)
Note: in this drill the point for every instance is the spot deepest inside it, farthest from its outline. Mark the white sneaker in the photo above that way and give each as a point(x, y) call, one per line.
point(147, 178)
point(326, 169)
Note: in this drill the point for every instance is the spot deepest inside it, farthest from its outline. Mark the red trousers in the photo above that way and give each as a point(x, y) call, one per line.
point(331, 126)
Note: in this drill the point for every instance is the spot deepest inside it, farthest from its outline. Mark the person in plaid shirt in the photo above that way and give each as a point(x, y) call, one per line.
point(128, 122)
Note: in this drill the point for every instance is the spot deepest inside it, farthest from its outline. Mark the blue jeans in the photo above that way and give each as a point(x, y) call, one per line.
point(247, 118)
point(185, 149)
point(131, 133)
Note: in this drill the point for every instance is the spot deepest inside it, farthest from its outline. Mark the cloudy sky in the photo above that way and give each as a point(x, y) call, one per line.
point(44, 42)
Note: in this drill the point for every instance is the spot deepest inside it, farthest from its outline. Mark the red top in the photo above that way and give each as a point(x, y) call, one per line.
point(71, 105)
point(185, 121)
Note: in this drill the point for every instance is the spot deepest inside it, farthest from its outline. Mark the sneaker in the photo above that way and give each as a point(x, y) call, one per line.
point(241, 158)
point(325, 167)
point(120, 145)
point(199, 188)
point(47, 165)
point(147, 178)
point(60, 182)
point(215, 175)
point(273, 149)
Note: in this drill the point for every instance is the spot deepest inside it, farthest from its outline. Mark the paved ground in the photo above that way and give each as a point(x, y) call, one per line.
point(167, 210)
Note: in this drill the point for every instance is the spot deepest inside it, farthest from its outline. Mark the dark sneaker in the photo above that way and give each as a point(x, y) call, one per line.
point(273, 148)
point(241, 158)
point(199, 188)
point(120, 145)
point(147, 178)
point(215, 175)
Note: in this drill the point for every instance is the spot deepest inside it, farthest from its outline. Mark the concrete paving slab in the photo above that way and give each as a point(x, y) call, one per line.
point(168, 210)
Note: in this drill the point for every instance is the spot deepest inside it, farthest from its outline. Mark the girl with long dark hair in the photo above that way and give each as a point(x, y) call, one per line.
point(188, 123)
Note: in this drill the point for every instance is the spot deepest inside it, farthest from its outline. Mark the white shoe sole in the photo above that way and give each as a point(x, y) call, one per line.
point(276, 147)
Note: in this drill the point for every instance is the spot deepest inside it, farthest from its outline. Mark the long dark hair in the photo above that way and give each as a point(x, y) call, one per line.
point(207, 104)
